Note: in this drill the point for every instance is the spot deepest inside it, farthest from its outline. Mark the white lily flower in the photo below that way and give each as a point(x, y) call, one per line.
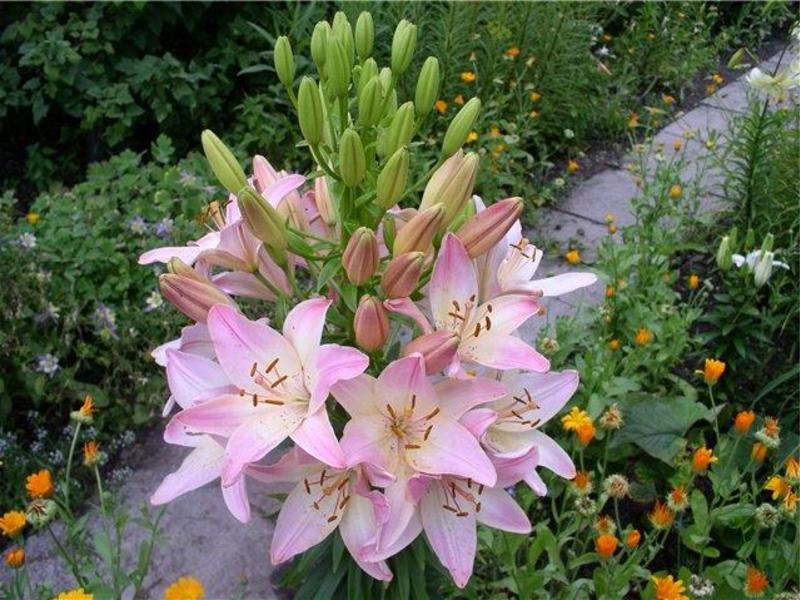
point(762, 263)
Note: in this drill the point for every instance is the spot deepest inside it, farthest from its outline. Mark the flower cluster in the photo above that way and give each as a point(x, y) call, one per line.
point(425, 435)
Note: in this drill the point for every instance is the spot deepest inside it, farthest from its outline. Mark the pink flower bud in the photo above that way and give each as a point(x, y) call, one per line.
point(194, 297)
point(322, 198)
point(417, 235)
point(401, 275)
point(371, 324)
point(489, 226)
point(361, 257)
point(437, 348)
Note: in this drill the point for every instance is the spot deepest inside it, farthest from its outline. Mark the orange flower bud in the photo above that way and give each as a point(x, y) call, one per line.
point(632, 539)
point(702, 459)
point(758, 452)
point(15, 558)
point(744, 420)
point(606, 545)
point(585, 433)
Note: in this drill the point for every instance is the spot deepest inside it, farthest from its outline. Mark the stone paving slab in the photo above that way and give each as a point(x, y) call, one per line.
point(606, 192)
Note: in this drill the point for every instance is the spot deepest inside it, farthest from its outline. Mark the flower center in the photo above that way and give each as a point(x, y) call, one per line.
point(458, 498)
point(412, 432)
point(278, 388)
point(335, 486)
point(515, 411)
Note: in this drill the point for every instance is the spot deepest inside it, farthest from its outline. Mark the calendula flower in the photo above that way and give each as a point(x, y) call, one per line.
point(610, 291)
point(472, 136)
point(678, 499)
point(668, 100)
point(185, 588)
point(702, 459)
point(76, 594)
point(743, 421)
point(12, 523)
point(718, 79)
point(632, 539)
point(512, 52)
point(574, 419)
point(613, 345)
point(616, 486)
point(494, 131)
point(15, 558)
point(612, 417)
point(535, 96)
point(778, 486)
point(643, 336)
point(440, 106)
point(677, 144)
point(758, 452)
point(789, 505)
point(633, 120)
point(693, 281)
point(40, 484)
point(91, 453)
point(40, 511)
point(769, 434)
point(534, 114)
point(459, 99)
point(661, 516)
point(85, 413)
point(793, 469)
point(468, 76)
point(582, 483)
point(606, 545)
point(755, 583)
point(572, 166)
point(604, 524)
point(573, 257)
point(666, 588)
point(675, 192)
point(32, 218)
point(712, 370)
point(585, 433)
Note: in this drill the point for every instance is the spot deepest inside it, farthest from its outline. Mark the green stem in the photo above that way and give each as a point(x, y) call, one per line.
point(73, 566)
point(69, 466)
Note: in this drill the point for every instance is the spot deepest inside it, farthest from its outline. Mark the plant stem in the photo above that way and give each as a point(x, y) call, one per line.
point(73, 566)
point(69, 466)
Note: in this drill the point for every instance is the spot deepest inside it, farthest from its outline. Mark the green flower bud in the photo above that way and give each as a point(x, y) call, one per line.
point(389, 231)
point(223, 163)
point(391, 105)
point(337, 68)
point(392, 179)
point(451, 185)
point(749, 239)
point(724, 254)
point(309, 111)
point(763, 269)
point(400, 130)
point(366, 72)
point(344, 32)
point(284, 61)
point(403, 45)
point(427, 86)
point(370, 103)
point(769, 242)
point(262, 219)
point(319, 44)
point(352, 163)
point(460, 127)
point(365, 35)
point(736, 59)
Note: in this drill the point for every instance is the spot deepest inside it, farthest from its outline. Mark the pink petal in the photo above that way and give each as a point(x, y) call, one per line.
point(503, 352)
point(550, 392)
point(263, 173)
point(235, 497)
point(367, 440)
point(189, 375)
point(293, 465)
point(270, 270)
point(510, 471)
point(239, 283)
point(275, 191)
point(220, 416)
point(358, 528)
point(507, 312)
point(453, 279)
point(303, 327)
point(562, 284)
point(187, 254)
point(553, 456)
point(402, 379)
point(499, 510)
point(453, 538)
point(316, 437)
point(401, 511)
point(356, 396)
point(200, 467)
point(457, 396)
point(401, 540)
point(332, 363)
point(407, 308)
point(478, 420)
point(241, 343)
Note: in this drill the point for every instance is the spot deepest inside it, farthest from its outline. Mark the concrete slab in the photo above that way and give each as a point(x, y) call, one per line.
point(704, 122)
point(607, 192)
point(567, 231)
point(733, 97)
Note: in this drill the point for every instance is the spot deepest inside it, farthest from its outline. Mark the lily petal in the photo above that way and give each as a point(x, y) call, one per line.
point(453, 280)
point(499, 510)
point(189, 375)
point(332, 363)
point(200, 467)
point(316, 437)
point(303, 327)
point(553, 456)
point(457, 396)
point(503, 352)
point(562, 284)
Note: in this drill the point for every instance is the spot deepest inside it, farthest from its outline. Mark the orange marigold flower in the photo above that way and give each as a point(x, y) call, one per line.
point(87, 408)
point(677, 145)
point(643, 336)
point(605, 524)
point(771, 427)
point(661, 516)
point(91, 453)
point(718, 79)
point(76, 594)
point(468, 76)
point(744, 421)
point(755, 583)
point(778, 486)
point(713, 370)
point(694, 281)
point(15, 558)
point(573, 257)
point(633, 120)
point(39, 485)
point(702, 459)
point(606, 545)
point(459, 99)
point(613, 345)
point(582, 482)
point(792, 468)
point(675, 192)
point(572, 166)
point(574, 419)
point(440, 106)
point(668, 100)
point(632, 539)
point(610, 291)
point(666, 588)
point(185, 588)
point(790, 502)
point(585, 433)
point(512, 52)
point(12, 523)
point(678, 499)
point(758, 452)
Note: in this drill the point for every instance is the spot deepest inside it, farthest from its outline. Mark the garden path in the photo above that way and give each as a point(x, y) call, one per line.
point(201, 538)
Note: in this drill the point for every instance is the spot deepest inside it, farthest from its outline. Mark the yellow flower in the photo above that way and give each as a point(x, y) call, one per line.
point(32, 218)
point(574, 419)
point(792, 468)
point(606, 545)
point(607, 37)
point(15, 558)
point(778, 486)
point(702, 459)
point(755, 583)
point(39, 485)
point(512, 52)
point(790, 502)
point(494, 131)
point(535, 96)
point(677, 145)
point(573, 257)
point(718, 79)
point(668, 100)
point(184, 588)
point(666, 588)
point(612, 228)
point(12, 523)
point(675, 192)
point(572, 166)
point(468, 76)
point(91, 453)
point(643, 336)
point(459, 100)
point(472, 136)
point(76, 594)
point(758, 452)
point(694, 281)
point(440, 106)
point(613, 345)
point(743, 421)
point(710, 89)
point(661, 516)
point(713, 370)
point(632, 539)
point(534, 114)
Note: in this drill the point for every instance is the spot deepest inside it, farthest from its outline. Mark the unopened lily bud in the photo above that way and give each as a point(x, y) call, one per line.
point(352, 162)
point(401, 275)
point(367, 71)
point(309, 111)
point(284, 61)
point(724, 254)
point(361, 256)
point(427, 86)
point(460, 127)
point(371, 324)
point(400, 130)
point(749, 239)
point(344, 32)
point(323, 200)
point(451, 185)
point(769, 242)
point(392, 179)
point(763, 268)
point(417, 235)
point(264, 222)
point(389, 232)
point(223, 163)
point(437, 348)
point(192, 297)
point(319, 44)
point(489, 226)
point(370, 103)
point(365, 35)
point(177, 267)
point(736, 59)
point(403, 44)
point(337, 68)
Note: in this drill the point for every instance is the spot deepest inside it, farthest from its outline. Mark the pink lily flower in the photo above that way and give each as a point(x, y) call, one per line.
point(484, 329)
point(194, 340)
point(283, 381)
